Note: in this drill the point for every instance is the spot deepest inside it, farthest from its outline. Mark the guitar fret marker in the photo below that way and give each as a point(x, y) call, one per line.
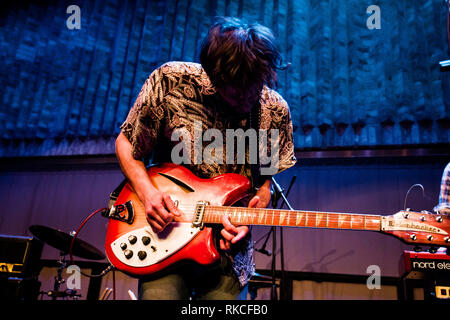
point(298, 218)
point(282, 214)
point(261, 217)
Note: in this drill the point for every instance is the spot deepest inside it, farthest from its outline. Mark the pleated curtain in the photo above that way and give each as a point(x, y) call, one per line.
point(66, 92)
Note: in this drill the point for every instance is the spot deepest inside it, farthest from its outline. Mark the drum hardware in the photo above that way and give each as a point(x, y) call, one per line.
point(62, 241)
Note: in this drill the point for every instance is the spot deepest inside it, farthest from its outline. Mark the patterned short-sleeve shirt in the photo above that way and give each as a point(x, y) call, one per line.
point(180, 96)
point(444, 194)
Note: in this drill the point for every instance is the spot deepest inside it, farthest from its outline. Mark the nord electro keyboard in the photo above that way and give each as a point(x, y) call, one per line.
point(427, 262)
point(433, 268)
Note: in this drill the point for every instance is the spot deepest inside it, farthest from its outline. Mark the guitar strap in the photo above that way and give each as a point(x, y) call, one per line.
point(255, 117)
point(115, 194)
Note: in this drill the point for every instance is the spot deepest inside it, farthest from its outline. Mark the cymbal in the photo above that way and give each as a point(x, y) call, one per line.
point(61, 241)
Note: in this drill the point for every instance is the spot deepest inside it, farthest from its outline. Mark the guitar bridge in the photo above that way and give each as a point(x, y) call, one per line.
point(199, 213)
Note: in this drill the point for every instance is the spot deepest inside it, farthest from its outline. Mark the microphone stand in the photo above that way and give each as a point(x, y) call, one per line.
point(278, 191)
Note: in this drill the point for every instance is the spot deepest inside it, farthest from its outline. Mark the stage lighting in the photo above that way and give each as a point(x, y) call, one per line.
point(445, 65)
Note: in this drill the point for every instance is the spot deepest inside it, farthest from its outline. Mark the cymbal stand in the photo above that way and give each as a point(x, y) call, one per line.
point(59, 280)
point(280, 191)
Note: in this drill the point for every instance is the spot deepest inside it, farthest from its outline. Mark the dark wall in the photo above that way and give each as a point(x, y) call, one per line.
point(65, 92)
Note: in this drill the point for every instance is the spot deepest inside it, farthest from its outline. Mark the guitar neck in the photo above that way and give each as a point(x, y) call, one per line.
point(288, 218)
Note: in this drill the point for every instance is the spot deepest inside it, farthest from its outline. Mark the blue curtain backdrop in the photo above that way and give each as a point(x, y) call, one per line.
point(65, 92)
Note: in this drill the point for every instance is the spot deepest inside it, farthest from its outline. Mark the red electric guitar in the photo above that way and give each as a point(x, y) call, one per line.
point(132, 247)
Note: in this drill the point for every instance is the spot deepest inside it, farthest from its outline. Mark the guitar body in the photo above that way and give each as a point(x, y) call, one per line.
point(136, 250)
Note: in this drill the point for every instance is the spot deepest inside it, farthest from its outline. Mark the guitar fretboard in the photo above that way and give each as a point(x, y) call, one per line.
point(287, 218)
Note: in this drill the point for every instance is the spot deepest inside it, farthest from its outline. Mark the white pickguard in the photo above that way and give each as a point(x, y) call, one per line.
point(174, 237)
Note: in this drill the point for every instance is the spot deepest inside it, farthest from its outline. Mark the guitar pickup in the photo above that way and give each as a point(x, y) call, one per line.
point(199, 212)
point(122, 212)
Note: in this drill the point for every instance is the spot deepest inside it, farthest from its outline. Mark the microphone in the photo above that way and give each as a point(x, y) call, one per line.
point(264, 251)
point(276, 189)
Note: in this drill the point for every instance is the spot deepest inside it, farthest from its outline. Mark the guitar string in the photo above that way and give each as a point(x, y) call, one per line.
point(307, 216)
point(280, 212)
point(275, 213)
point(185, 208)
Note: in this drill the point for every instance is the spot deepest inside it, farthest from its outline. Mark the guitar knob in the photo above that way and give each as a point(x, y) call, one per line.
point(439, 218)
point(142, 255)
point(123, 246)
point(447, 239)
point(430, 237)
point(145, 240)
point(132, 239)
point(128, 254)
point(413, 237)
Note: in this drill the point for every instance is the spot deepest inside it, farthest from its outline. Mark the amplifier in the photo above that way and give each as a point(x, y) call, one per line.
point(20, 256)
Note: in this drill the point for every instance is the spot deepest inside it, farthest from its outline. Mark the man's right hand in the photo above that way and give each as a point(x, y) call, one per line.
point(160, 210)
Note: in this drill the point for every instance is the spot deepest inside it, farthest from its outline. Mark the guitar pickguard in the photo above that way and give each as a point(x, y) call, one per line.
point(142, 247)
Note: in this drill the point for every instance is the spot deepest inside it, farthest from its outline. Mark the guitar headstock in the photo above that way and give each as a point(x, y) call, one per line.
point(420, 228)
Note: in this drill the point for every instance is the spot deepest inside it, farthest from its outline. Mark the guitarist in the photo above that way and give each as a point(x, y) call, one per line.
point(230, 89)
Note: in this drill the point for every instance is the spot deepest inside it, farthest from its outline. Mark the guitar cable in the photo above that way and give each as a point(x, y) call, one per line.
point(113, 197)
point(109, 268)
